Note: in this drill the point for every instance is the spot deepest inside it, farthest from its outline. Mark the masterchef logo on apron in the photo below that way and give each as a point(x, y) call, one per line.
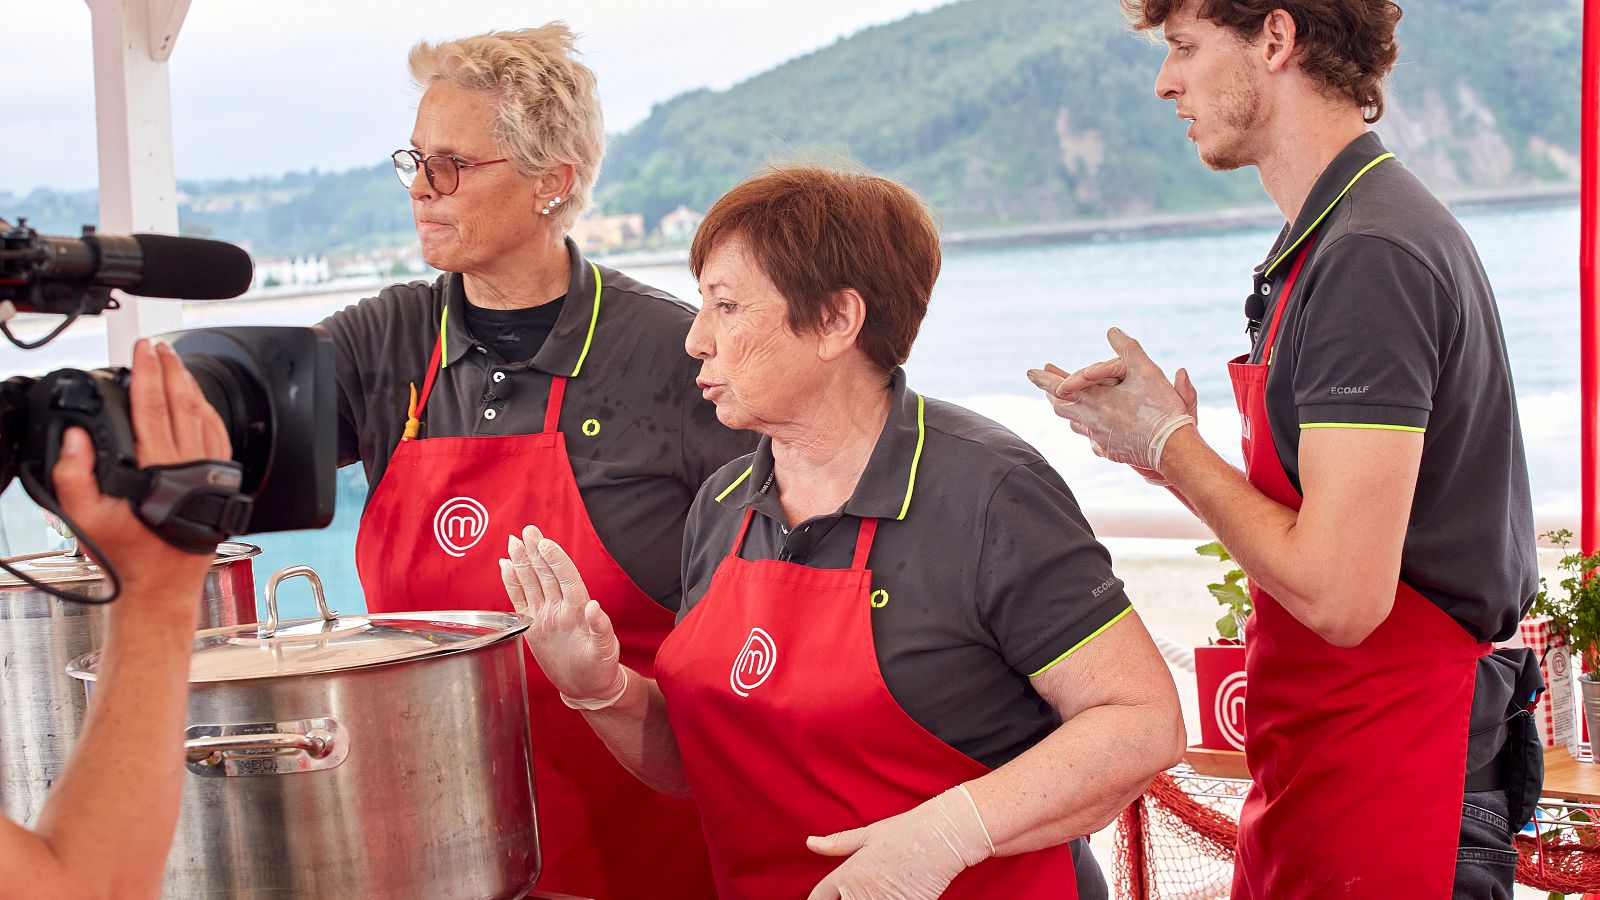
point(459, 524)
point(754, 663)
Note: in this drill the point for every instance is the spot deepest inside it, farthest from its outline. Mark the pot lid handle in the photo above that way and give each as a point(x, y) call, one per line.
point(270, 628)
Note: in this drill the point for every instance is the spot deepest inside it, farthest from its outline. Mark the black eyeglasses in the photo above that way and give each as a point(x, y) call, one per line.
point(443, 172)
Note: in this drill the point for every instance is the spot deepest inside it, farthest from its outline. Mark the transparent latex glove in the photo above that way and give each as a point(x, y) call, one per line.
point(1128, 422)
point(1106, 373)
point(571, 636)
point(912, 856)
point(1110, 372)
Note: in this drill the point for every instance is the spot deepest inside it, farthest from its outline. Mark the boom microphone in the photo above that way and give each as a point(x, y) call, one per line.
point(147, 265)
point(75, 276)
point(190, 268)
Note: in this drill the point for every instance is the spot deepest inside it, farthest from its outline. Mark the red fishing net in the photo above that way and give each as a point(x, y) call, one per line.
point(1176, 842)
point(1565, 859)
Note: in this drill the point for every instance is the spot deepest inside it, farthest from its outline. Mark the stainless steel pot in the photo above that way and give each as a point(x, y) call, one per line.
point(41, 709)
point(374, 756)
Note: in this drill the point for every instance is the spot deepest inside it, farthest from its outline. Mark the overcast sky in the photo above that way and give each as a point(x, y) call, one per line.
point(266, 86)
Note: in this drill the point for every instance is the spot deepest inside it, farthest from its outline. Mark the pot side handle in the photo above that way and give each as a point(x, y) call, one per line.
point(265, 748)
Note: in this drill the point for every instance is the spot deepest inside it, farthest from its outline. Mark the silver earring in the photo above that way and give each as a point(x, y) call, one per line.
point(549, 206)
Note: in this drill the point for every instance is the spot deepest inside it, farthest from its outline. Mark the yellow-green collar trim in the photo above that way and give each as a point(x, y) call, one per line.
point(1313, 226)
point(444, 355)
point(736, 482)
point(588, 341)
point(916, 458)
point(854, 506)
point(595, 317)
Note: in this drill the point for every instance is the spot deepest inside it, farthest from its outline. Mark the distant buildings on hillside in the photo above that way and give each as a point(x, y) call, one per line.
point(243, 201)
point(374, 267)
point(598, 233)
point(679, 225)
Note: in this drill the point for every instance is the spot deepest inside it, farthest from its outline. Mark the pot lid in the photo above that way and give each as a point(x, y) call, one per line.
point(310, 646)
point(68, 568)
point(330, 643)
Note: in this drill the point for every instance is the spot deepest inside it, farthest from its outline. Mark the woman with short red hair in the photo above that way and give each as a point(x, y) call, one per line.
point(901, 654)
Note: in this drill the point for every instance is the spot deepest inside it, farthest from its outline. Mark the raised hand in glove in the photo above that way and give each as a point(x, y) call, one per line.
point(1107, 373)
point(571, 636)
point(1127, 422)
point(912, 856)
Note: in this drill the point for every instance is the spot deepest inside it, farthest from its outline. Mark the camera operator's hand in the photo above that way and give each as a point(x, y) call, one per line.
point(107, 825)
point(172, 423)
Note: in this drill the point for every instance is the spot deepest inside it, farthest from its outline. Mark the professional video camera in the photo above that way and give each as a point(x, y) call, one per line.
point(273, 387)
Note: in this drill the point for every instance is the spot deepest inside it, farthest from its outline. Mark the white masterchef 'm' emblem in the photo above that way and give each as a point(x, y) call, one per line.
point(1229, 709)
point(459, 524)
point(754, 663)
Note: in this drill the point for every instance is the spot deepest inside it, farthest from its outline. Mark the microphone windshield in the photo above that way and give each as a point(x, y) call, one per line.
point(191, 268)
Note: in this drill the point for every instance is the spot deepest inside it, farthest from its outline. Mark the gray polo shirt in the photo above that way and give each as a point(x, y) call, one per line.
point(984, 571)
point(641, 438)
point(1393, 325)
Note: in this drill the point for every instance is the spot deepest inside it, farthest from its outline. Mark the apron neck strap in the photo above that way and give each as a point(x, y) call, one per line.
point(419, 402)
point(552, 408)
point(1283, 302)
point(869, 530)
point(738, 539)
point(433, 372)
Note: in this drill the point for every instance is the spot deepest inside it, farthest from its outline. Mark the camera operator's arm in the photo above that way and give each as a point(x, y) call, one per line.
point(107, 825)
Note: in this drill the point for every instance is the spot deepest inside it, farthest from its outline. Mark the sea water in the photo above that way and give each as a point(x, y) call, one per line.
point(997, 312)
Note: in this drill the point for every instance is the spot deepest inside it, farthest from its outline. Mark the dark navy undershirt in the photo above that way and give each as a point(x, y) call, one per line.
point(514, 335)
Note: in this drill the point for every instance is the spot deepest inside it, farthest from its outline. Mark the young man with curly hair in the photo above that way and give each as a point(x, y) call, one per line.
point(1383, 516)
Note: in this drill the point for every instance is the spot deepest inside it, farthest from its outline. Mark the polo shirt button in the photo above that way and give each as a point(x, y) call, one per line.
point(488, 414)
point(499, 377)
point(481, 348)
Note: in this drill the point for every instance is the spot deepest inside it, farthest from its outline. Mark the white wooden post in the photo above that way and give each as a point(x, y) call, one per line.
point(133, 119)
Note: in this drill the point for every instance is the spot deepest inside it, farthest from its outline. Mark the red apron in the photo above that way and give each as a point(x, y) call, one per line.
point(1358, 755)
point(787, 730)
point(430, 539)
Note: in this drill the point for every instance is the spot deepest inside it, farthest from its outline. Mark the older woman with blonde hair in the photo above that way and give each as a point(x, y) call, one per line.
point(904, 668)
point(528, 383)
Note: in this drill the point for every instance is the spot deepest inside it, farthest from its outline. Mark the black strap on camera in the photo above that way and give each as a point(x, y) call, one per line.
point(195, 505)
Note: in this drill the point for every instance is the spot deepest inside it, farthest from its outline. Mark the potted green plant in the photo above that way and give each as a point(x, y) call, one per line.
point(1574, 613)
point(1219, 667)
point(1233, 593)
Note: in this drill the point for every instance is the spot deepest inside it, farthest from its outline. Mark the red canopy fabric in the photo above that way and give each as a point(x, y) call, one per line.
point(1588, 323)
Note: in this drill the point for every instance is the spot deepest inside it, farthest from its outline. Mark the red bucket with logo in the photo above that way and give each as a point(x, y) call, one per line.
point(1219, 670)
